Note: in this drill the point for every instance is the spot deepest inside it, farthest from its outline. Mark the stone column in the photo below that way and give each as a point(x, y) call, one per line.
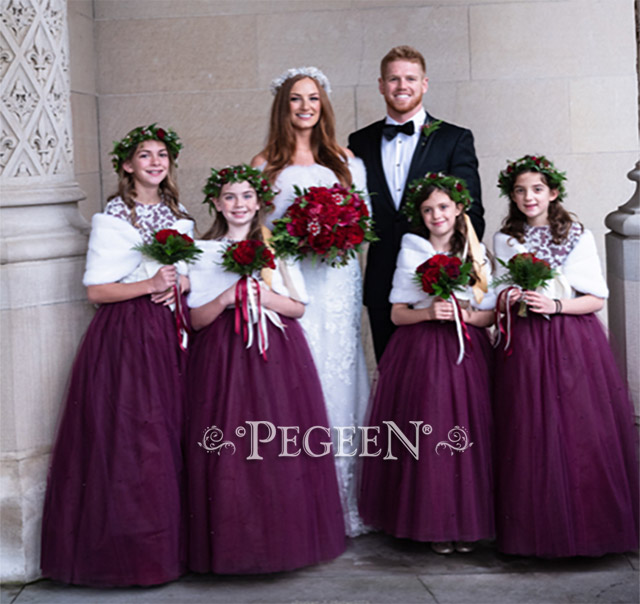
point(623, 276)
point(43, 308)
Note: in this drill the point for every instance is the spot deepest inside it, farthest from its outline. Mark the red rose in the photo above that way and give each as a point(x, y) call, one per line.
point(322, 242)
point(438, 260)
point(348, 216)
point(429, 278)
point(186, 238)
point(244, 254)
point(160, 133)
point(164, 234)
point(453, 270)
point(355, 235)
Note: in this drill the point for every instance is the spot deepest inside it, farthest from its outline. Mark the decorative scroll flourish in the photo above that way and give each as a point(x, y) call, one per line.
point(212, 441)
point(458, 441)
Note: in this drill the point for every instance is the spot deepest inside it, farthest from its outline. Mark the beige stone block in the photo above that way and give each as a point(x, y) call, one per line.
point(552, 39)
point(343, 103)
point(90, 184)
point(440, 33)
point(604, 114)
point(217, 128)
point(43, 340)
point(329, 40)
point(84, 114)
point(82, 54)
point(206, 53)
point(510, 120)
point(495, 207)
point(154, 9)
point(597, 184)
point(23, 487)
point(42, 283)
point(82, 7)
point(370, 105)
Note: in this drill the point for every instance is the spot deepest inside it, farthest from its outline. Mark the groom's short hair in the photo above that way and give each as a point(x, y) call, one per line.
point(402, 53)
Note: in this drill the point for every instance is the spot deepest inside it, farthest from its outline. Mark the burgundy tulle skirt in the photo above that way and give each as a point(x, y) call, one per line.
point(257, 515)
point(447, 493)
point(566, 445)
point(113, 507)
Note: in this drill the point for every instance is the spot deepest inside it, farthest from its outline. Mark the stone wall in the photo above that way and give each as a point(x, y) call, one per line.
point(556, 77)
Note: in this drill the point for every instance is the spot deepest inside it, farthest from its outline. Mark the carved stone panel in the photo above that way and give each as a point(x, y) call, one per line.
point(35, 137)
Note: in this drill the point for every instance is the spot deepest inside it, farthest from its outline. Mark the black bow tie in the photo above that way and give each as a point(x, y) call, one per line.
point(389, 131)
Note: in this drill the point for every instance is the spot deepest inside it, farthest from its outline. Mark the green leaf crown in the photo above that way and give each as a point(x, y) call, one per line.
point(532, 163)
point(454, 187)
point(238, 173)
point(123, 149)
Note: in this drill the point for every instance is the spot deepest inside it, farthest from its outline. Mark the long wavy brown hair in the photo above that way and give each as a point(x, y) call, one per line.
point(281, 142)
point(168, 190)
point(560, 220)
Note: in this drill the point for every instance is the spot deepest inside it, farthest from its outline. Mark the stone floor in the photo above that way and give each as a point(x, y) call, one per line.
point(376, 568)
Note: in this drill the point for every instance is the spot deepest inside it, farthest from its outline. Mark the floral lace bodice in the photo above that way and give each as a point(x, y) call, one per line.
point(149, 218)
point(538, 241)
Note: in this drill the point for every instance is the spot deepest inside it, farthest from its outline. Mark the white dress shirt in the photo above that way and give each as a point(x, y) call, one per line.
point(397, 155)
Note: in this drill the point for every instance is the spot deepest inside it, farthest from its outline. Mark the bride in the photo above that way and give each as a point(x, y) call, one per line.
point(302, 150)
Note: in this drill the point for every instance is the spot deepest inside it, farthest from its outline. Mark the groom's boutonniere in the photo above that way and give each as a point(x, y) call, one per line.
point(431, 127)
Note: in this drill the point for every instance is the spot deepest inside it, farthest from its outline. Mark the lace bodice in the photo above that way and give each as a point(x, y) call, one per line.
point(149, 218)
point(539, 242)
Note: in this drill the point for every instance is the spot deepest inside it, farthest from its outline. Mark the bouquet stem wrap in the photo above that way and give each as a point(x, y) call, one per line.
point(505, 325)
point(249, 311)
point(246, 258)
point(181, 320)
point(461, 328)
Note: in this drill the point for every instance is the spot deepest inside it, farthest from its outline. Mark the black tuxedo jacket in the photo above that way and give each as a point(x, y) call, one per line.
point(450, 150)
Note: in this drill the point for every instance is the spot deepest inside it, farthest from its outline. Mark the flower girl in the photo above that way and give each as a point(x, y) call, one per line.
point(113, 512)
point(434, 381)
point(275, 507)
point(567, 473)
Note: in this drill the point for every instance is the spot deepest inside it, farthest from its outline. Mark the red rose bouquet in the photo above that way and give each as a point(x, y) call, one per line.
point(246, 258)
point(441, 276)
point(524, 272)
point(527, 272)
point(326, 223)
point(170, 247)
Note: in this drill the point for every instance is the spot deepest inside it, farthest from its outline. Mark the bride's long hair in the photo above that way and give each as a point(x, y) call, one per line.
point(281, 143)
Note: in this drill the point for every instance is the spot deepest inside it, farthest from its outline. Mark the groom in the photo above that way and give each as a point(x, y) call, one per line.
point(404, 146)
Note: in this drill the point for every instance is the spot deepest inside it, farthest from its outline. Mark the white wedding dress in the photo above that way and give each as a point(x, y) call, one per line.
point(332, 325)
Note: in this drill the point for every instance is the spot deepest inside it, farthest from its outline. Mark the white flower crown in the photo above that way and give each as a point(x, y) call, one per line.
point(312, 72)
